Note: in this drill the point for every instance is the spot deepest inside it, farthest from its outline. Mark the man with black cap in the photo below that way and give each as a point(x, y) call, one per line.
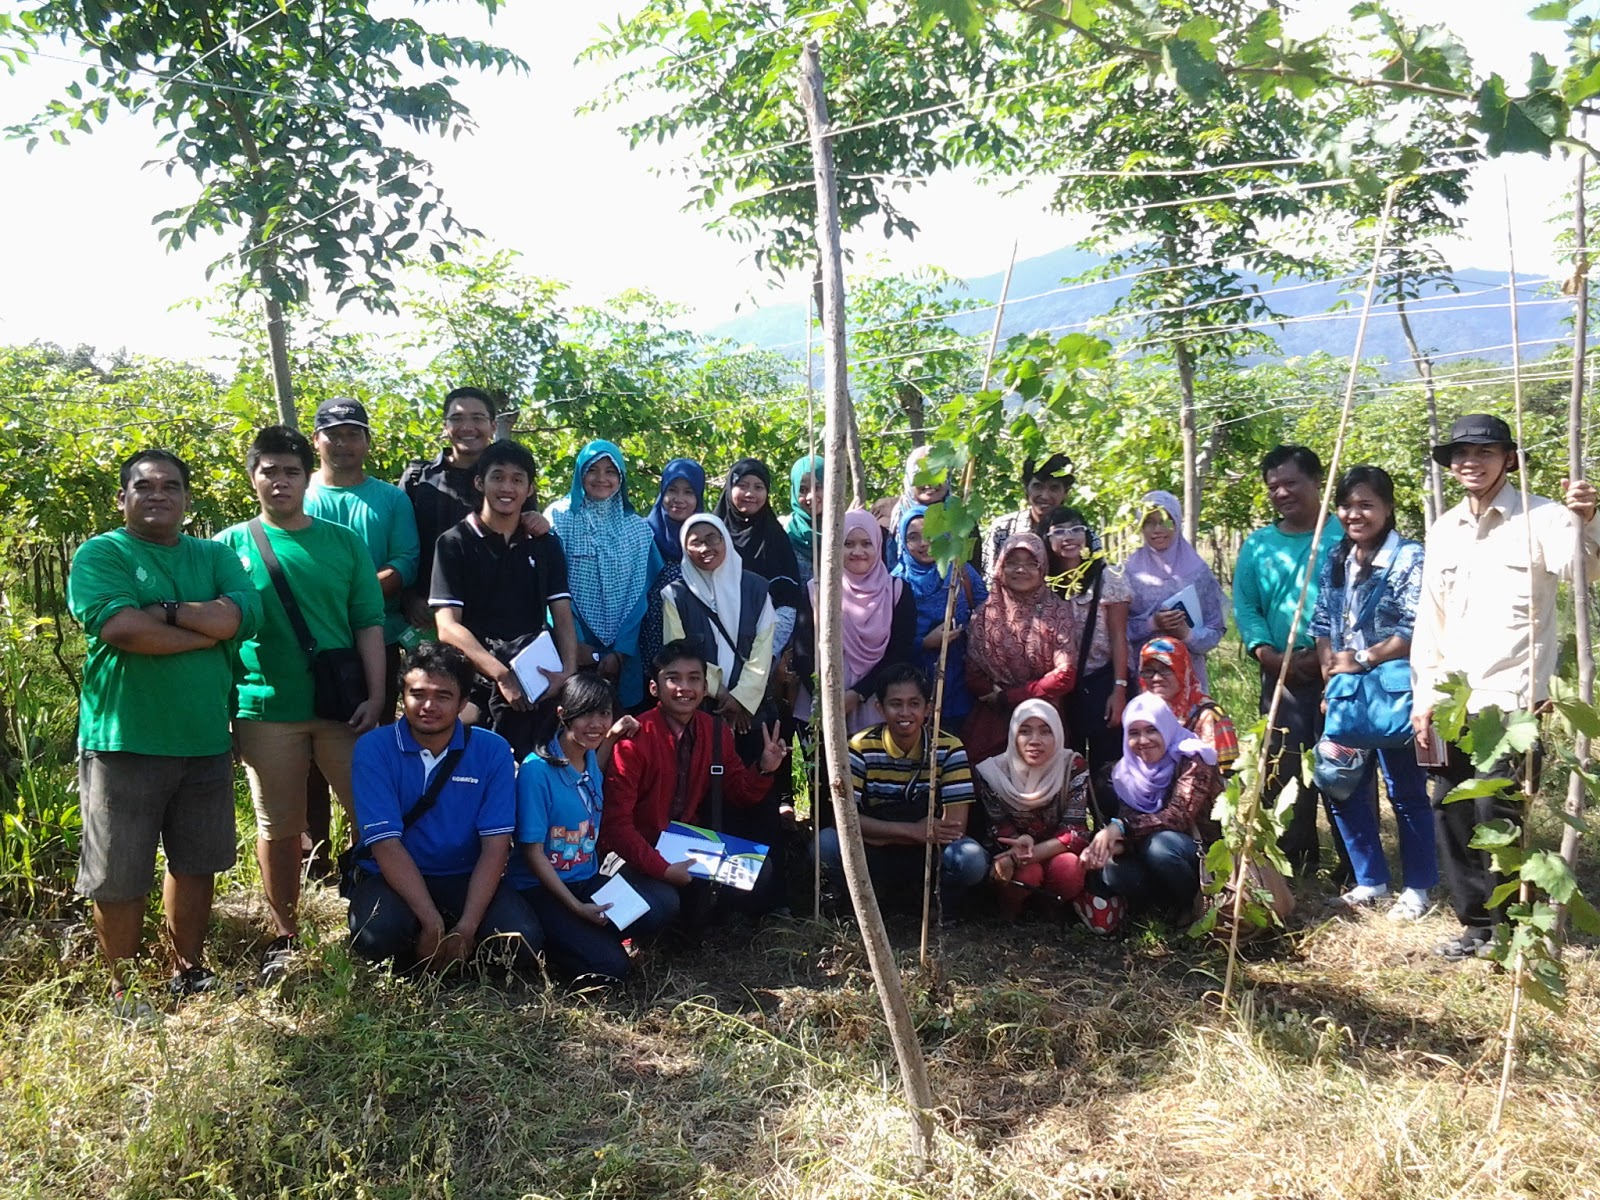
point(1489, 582)
point(381, 515)
point(1045, 487)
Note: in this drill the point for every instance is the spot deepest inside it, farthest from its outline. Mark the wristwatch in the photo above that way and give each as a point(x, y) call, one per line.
point(1364, 660)
point(170, 607)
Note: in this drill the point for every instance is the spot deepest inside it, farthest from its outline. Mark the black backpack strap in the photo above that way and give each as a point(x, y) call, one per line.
point(291, 608)
point(1089, 626)
point(441, 776)
point(716, 773)
point(740, 653)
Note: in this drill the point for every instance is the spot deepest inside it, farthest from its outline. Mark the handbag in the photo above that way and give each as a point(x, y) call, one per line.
point(1370, 710)
point(338, 677)
point(349, 870)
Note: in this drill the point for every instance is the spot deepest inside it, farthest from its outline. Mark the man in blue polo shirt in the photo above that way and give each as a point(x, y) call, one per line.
point(430, 885)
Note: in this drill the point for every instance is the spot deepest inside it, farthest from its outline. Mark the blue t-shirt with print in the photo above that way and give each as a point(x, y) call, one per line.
point(558, 806)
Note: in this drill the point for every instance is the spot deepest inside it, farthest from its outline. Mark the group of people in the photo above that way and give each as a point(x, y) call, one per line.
point(512, 706)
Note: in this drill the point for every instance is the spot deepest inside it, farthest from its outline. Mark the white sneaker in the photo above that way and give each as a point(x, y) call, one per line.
point(1362, 896)
point(1411, 905)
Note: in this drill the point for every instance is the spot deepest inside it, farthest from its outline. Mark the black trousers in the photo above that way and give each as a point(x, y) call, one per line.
point(1468, 873)
point(1085, 711)
point(1298, 728)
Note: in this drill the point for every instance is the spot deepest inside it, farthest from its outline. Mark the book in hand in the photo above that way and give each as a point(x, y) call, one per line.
point(1186, 601)
point(719, 857)
point(627, 906)
point(541, 652)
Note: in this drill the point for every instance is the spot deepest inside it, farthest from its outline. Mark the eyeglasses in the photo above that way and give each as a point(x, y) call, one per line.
point(706, 541)
point(1080, 532)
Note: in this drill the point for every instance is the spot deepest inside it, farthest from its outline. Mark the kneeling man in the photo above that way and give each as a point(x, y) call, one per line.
point(435, 806)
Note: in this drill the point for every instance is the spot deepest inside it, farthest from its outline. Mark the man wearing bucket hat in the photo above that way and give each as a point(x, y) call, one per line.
point(1489, 583)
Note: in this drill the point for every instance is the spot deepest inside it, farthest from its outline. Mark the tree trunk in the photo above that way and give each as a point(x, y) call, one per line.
point(830, 643)
point(910, 397)
point(1576, 469)
point(1191, 445)
point(282, 380)
point(852, 435)
point(1424, 366)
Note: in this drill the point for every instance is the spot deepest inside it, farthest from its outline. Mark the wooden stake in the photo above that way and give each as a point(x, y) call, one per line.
point(1577, 469)
point(830, 643)
point(812, 767)
point(956, 571)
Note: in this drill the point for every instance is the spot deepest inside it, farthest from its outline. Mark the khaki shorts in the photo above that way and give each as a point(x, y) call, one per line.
point(129, 802)
point(277, 758)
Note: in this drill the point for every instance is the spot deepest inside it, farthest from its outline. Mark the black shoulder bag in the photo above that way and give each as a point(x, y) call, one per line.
point(339, 680)
point(348, 871)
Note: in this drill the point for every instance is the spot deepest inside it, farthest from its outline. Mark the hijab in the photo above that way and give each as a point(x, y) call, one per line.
point(908, 486)
point(1174, 655)
point(868, 602)
point(1017, 785)
point(1143, 786)
point(802, 530)
point(666, 530)
point(1016, 639)
point(718, 590)
point(607, 547)
point(1155, 575)
point(760, 539)
point(925, 580)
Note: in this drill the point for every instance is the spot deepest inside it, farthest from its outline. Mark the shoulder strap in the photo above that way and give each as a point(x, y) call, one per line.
point(740, 653)
point(1375, 581)
point(441, 776)
point(291, 609)
point(716, 773)
point(1089, 625)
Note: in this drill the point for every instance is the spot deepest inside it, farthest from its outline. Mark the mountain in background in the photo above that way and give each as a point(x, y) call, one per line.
point(1474, 322)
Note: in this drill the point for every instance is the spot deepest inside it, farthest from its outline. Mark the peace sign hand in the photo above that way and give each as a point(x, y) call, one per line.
point(773, 750)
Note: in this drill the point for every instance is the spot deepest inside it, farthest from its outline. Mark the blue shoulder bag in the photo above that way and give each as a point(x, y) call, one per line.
point(1370, 710)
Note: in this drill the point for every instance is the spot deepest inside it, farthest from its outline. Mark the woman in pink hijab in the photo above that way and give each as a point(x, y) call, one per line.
point(1160, 571)
point(880, 619)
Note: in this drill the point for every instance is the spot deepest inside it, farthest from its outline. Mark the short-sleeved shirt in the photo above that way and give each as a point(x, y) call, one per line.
point(391, 771)
point(330, 574)
point(441, 495)
point(1114, 589)
point(558, 807)
point(174, 705)
point(503, 588)
point(892, 784)
point(381, 516)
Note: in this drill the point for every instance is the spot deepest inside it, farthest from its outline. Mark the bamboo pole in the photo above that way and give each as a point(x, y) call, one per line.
point(1249, 809)
point(956, 570)
point(830, 645)
point(813, 766)
point(1577, 469)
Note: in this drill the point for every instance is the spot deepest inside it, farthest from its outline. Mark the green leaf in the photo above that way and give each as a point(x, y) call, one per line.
point(1495, 736)
point(1472, 789)
point(1502, 893)
point(1196, 76)
point(1518, 126)
point(1492, 835)
point(1547, 871)
point(1551, 10)
point(1585, 718)
point(1584, 914)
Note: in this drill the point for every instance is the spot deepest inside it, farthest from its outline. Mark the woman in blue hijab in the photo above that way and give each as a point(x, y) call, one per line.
point(931, 587)
point(611, 561)
point(682, 494)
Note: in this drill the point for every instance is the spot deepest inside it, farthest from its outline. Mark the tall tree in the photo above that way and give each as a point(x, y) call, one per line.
point(279, 108)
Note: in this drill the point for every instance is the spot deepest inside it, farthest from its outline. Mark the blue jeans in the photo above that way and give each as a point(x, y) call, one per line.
point(897, 871)
point(1161, 871)
point(1357, 819)
point(577, 947)
point(382, 925)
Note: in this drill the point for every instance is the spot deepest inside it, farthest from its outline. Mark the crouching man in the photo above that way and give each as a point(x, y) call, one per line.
point(435, 807)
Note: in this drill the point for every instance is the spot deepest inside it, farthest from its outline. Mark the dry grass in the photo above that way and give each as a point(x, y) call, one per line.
point(757, 1067)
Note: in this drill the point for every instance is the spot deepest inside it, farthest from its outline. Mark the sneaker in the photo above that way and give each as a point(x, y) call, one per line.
point(1411, 905)
point(275, 959)
point(1362, 896)
point(195, 981)
point(1474, 943)
point(128, 1005)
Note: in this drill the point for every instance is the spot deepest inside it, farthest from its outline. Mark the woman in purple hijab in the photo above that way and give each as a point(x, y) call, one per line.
point(1159, 572)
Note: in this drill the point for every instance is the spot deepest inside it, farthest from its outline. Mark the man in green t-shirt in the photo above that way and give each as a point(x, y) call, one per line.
point(328, 574)
point(158, 610)
point(380, 514)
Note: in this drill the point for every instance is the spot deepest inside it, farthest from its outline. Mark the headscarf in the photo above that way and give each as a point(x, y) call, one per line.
point(1156, 575)
point(664, 527)
point(1175, 656)
point(1019, 786)
point(718, 590)
point(908, 487)
point(607, 548)
point(802, 531)
point(760, 539)
point(1143, 786)
point(1016, 639)
point(925, 580)
point(868, 602)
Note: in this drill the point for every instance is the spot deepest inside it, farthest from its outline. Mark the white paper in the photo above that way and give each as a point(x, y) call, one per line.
point(627, 906)
point(541, 652)
point(675, 847)
point(1189, 600)
point(712, 860)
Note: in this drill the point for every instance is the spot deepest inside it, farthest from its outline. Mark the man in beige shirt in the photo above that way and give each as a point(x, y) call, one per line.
point(1489, 584)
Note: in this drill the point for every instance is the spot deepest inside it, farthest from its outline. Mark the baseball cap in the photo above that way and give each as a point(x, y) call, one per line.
point(340, 412)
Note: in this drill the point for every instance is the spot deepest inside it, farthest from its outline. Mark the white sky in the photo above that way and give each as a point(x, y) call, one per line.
point(83, 263)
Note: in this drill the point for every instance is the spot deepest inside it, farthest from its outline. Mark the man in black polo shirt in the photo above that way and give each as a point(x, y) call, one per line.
point(442, 491)
point(493, 586)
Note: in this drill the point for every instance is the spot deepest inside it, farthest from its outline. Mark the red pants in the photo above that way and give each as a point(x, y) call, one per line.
point(1061, 876)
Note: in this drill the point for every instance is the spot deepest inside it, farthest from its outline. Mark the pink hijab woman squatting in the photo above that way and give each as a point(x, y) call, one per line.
point(1143, 786)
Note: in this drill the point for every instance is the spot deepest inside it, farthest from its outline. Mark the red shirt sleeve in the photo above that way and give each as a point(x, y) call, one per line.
point(626, 780)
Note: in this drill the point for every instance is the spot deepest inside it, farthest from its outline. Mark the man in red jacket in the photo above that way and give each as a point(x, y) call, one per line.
point(664, 773)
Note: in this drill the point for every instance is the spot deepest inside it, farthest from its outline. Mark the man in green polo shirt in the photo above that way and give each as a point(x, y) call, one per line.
point(158, 610)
